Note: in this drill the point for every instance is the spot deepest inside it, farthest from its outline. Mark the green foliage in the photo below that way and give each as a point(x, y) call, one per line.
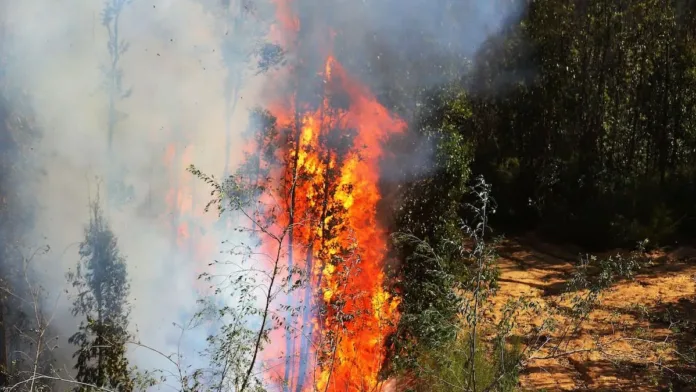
point(596, 275)
point(439, 342)
point(591, 135)
point(463, 359)
point(582, 114)
point(429, 304)
point(248, 199)
point(101, 282)
point(450, 370)
point(244, 328)
point(428, 210)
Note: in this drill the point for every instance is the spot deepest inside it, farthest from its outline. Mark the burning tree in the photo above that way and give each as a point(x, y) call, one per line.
point(246, 328)
point(312, 164)
point(333, 129)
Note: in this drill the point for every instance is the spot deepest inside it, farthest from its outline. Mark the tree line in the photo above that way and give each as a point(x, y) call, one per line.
point(581, 114)
point(581, 117)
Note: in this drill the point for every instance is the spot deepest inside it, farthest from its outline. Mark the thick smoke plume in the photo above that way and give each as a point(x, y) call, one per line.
point(183, 85)
point(176, 72)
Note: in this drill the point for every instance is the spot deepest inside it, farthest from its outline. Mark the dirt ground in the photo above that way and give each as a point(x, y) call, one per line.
point(633, 339)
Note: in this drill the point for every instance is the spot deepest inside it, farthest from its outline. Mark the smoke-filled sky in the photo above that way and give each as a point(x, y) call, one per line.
point(175, 68)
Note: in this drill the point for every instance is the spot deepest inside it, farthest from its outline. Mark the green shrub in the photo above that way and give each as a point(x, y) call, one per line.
point(448, 370)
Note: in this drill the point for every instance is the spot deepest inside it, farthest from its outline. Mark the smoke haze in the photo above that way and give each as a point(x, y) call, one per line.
point(175, 68)
point(176, 74)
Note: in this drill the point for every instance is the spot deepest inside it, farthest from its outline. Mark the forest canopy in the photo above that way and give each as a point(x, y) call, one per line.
point(582, 116)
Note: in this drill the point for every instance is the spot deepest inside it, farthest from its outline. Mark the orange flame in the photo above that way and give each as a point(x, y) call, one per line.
point(331, 159)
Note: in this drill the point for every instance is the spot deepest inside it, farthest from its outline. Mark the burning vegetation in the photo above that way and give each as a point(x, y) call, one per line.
point(316, 155)
point(306, 281)
point(326, 168)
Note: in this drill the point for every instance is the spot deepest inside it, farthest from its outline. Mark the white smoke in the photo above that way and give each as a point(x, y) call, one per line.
point(175, 68)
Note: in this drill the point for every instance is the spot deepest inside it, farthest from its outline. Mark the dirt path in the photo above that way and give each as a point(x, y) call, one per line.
point(631, 326)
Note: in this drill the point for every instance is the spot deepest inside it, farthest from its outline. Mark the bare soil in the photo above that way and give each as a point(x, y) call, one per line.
point(631, 342)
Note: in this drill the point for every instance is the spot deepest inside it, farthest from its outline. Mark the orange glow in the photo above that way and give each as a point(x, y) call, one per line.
point(185, 215)
point(333, 149)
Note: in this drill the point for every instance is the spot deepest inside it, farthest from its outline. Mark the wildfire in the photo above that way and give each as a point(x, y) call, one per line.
point(186, 217)
point(330, 152)
point(326, 170)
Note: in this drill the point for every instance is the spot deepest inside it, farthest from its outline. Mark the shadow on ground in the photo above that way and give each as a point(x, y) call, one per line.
point(650, 320)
